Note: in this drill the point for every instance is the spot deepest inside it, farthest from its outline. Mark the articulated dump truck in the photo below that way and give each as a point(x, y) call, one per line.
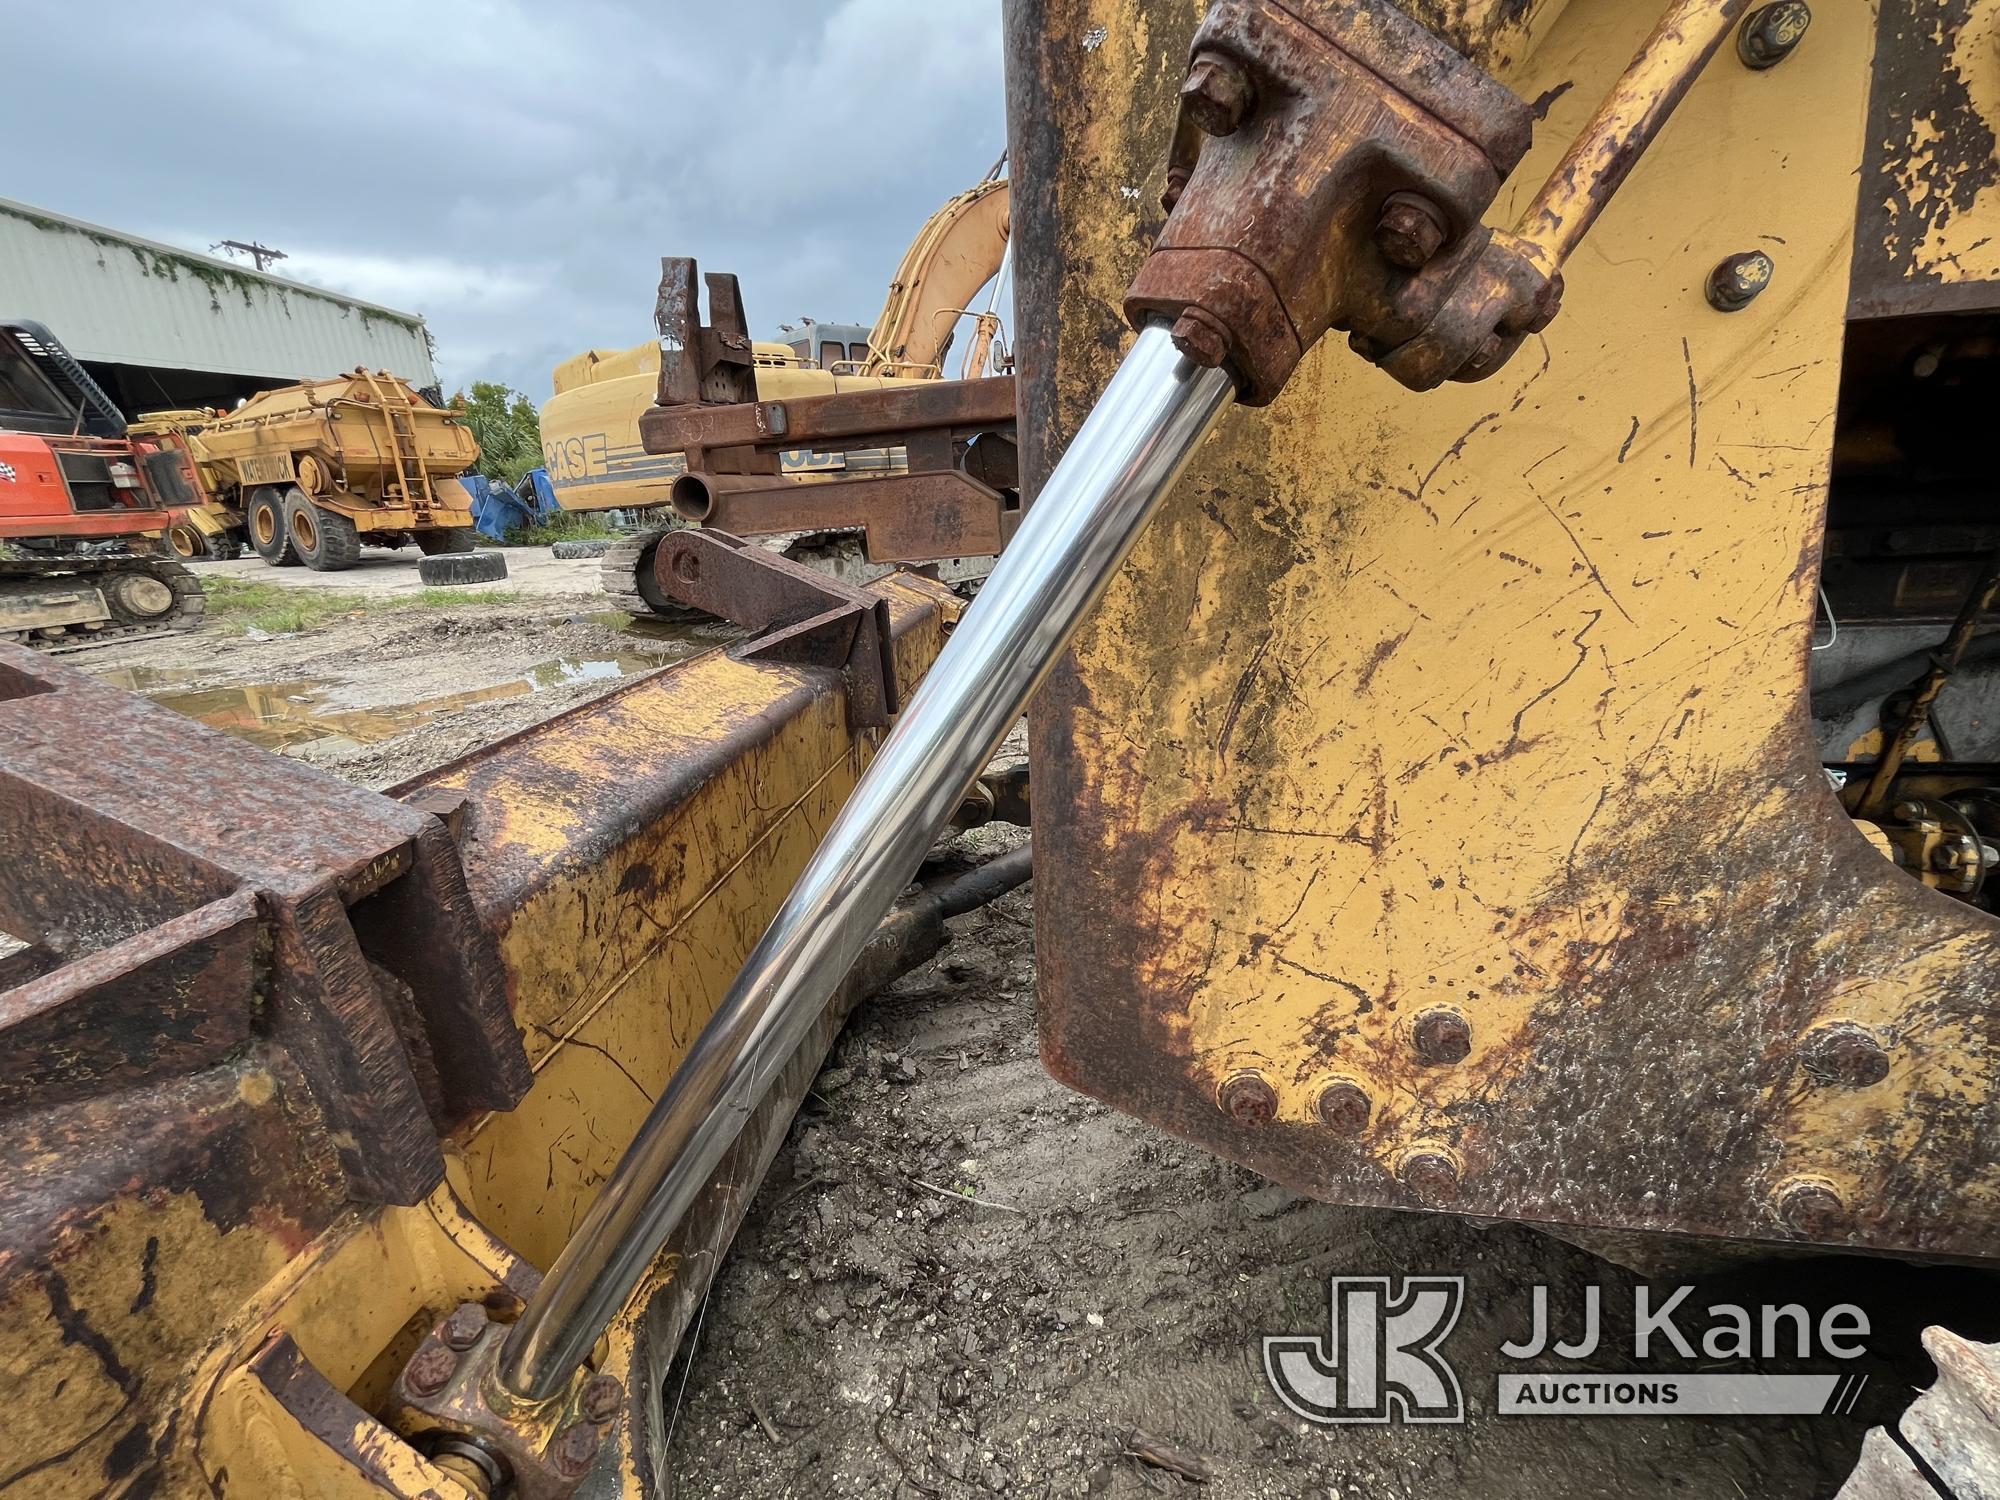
point(310, 473)
point(1503, 600)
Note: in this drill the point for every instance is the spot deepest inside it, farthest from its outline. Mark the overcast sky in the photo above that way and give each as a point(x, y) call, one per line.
point(513, 171)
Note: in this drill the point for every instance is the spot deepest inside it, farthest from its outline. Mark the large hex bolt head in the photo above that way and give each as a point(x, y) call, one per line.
point(1218, 94)
point(1441, 1035)
point(576, 1450)
point(1739, 281)
point(1247, 1097)
point(1810, 1207)
point(1344, 1107)
point(1411, 230)
point(601, 1398)
point(1199, 335)
point(1771, 32)
point(1428, 1174)
point(462, 1329)
point(1843, 1053)
point(428, 1371)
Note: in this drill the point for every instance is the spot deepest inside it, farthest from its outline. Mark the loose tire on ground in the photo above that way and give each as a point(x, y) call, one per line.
point(454, 568)
point(325, 540)
point(444, 540)
point(596, 547)
point(264, 522)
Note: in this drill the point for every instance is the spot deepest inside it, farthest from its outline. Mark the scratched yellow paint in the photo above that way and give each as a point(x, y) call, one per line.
point(620, 959)
point(712, 694)
point(1360, 701)
point(268, 1451)
point(655, 969)
point(120, 1305)
point(1501, 32)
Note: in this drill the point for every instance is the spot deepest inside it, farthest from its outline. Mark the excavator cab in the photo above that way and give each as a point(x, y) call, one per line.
point(79, 500)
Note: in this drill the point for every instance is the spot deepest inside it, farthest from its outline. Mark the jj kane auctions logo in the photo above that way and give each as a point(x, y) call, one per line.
point(1382, 1358)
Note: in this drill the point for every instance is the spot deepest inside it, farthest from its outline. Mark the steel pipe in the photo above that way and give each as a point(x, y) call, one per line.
point(1071, 542)
point(1626, 123)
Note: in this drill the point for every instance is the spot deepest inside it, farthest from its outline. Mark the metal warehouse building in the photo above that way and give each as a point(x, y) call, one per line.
point(161, 327)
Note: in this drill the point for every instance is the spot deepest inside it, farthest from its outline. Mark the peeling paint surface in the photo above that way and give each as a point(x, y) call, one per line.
point(1928, 237)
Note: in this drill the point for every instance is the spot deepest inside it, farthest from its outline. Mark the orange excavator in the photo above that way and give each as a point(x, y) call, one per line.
point(83, 506)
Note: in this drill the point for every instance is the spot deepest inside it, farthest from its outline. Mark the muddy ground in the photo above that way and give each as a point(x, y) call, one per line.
point(962, 1279)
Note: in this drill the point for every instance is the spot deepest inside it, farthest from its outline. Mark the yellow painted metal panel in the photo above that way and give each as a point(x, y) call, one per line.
point(1491, 700)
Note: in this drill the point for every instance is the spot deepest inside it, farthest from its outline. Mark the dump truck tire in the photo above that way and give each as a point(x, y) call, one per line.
point(444, 540)
point(264, 522)
point(569, 550)
point(463, 567)
point(192, 544)
point(325, 540)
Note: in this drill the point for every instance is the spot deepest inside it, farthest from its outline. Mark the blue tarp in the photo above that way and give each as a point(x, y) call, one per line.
point(498, 509)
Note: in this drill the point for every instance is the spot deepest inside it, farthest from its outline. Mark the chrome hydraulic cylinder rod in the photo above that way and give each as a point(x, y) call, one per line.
point(1129, 452)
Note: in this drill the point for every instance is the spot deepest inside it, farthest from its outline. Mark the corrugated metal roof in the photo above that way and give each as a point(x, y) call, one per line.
point(119, 299)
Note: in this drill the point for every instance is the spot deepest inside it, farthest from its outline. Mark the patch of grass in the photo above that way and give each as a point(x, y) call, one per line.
point(451, 598)
point(243, 606)
point(570, 526)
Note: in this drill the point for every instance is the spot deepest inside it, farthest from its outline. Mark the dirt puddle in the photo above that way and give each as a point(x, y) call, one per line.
point(286, 716)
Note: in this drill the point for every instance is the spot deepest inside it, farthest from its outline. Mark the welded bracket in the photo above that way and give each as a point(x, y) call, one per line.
point(702, 362)
point(803, 618)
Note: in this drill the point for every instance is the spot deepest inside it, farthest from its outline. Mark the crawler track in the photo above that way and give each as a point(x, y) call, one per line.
point(20, 576)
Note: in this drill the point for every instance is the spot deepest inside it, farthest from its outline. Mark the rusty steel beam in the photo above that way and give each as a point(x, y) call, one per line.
point(960, 497)
point(903, 517)
point(847, 419)
point(800, 615)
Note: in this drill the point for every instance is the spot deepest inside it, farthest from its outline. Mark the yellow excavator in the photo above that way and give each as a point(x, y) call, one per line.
point(1510, 496)
point(590, 426)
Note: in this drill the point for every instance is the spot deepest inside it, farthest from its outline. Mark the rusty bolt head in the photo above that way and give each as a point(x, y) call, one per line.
point(1811, 1207)
point(1177, 181)
point(1771, 32)
point(1441, 1036)
point(1411, 230)
point(1217, 94)
point(576, 1450)
point(1344, 1107)
point(1956, 854)
point(1428, 1173)
point(601, 1398)
point(1739, 281)
point(462, 1329)
point(1843, 1053)
point(1247, 1097)
point(1201, 337)
point(428, 1371)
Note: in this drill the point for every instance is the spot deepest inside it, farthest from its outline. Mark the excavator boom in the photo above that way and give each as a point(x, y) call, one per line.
point(957, 252)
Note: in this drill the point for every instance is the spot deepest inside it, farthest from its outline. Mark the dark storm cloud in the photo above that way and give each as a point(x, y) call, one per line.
point(514, 171)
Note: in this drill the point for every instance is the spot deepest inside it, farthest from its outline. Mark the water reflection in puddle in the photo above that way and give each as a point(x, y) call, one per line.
point(286, 716)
